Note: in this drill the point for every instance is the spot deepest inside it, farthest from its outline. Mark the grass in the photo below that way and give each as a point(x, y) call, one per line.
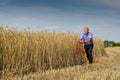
point(104, 68)
point(25, 52)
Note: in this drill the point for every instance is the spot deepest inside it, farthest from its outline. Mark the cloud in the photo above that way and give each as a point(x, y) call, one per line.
point(4, 2)
point(28, 9)
point(32, 14)
point(1, 1)
point(108, 3)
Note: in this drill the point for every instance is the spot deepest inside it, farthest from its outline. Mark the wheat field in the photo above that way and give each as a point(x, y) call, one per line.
point(25, 52)
point(105, 68)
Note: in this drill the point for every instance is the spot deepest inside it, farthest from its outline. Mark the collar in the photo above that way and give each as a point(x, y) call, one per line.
point(86, 34)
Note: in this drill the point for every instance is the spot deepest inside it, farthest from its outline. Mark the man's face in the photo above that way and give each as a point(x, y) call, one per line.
point(86, 30)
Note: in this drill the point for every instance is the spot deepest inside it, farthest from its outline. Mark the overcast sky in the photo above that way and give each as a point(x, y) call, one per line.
point(101, 16)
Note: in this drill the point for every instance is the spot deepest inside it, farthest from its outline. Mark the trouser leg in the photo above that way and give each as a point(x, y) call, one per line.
point(90, 54)
point(89, 49)
point(87, 53)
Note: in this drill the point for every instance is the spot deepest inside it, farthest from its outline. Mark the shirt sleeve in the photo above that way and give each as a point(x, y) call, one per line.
point(90, 35)
point(81, 36)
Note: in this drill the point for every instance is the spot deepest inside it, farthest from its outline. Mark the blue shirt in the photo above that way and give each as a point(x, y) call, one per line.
point(85, 37)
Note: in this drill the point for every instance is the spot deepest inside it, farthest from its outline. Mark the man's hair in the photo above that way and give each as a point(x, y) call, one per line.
point(86, 28)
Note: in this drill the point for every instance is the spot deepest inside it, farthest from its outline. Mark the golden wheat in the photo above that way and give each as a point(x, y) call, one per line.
point(22, 52)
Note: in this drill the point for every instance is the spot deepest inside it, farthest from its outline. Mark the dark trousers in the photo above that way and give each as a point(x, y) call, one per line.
point(89, 49)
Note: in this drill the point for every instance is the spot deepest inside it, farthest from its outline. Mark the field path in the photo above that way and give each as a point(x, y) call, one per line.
point(104, 68)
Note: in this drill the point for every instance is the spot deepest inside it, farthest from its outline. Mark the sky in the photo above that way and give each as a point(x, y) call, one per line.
point(101, 16)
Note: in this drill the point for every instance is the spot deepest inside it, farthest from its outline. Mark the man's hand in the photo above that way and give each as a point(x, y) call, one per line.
point(89, 39)
point(81, 40)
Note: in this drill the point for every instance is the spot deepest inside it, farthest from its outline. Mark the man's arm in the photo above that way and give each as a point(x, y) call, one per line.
point(90, 37)
point(81, 38)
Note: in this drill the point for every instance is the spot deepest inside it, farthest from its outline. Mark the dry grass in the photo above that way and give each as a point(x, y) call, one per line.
point(23, 52)
point(106, 68)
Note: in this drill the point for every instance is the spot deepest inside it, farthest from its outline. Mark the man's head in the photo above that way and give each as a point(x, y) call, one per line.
point(86, 30)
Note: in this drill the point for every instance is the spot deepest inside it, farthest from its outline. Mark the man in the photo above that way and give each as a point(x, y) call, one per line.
point(87, 39)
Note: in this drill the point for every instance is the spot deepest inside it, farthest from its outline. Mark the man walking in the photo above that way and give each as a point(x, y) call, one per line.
point(87, 39)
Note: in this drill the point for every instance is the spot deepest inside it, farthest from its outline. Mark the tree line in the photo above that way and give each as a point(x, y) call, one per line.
point(108, 43)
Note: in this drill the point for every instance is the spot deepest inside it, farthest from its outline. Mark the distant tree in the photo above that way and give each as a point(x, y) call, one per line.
point(108, 43)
